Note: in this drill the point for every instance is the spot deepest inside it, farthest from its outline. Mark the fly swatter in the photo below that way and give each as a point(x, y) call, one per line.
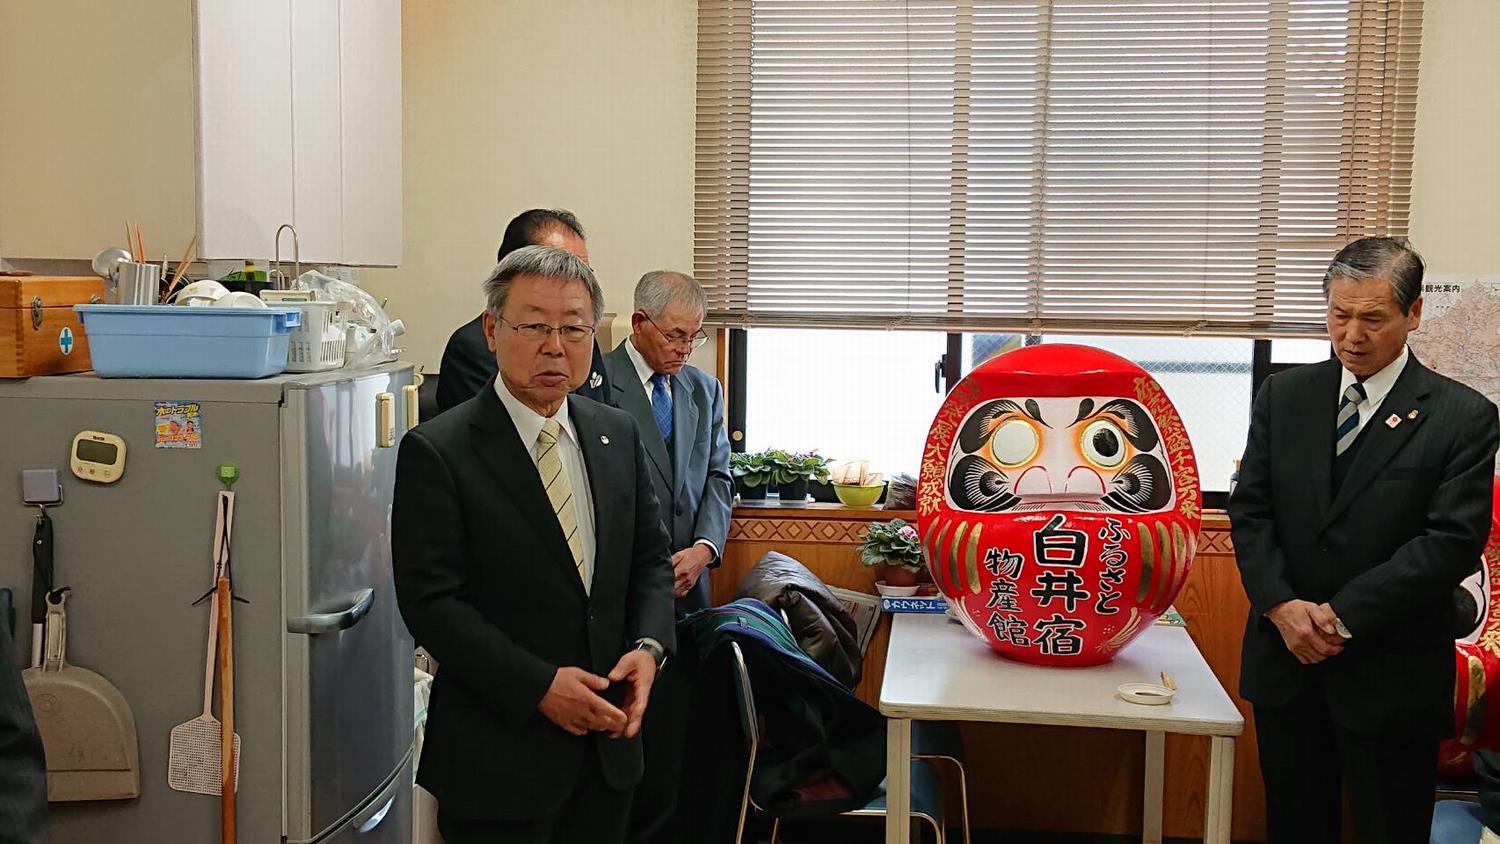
point(193, 761)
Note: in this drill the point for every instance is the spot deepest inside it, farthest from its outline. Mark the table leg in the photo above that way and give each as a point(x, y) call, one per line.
point(1156, 749)
point(898, 781)
point(1219, 806)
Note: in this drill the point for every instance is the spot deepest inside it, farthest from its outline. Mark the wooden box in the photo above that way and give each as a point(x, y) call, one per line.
point(40, 333)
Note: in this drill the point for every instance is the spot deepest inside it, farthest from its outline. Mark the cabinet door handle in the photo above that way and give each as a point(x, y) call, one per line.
point(410, 399)
point(385, 420)
point(331, 622)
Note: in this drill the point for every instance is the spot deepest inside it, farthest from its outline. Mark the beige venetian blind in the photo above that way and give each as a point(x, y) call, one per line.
point(1137, 167)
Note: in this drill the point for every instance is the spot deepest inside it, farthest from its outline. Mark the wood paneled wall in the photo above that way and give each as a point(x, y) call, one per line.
point(1043, 778)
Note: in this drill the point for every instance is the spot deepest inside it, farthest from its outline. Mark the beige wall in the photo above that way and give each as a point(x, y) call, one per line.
point(1456, 176)
point(96, 125)
point(579, 104)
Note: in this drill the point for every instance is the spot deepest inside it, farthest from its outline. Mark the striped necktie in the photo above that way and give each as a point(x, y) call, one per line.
point(560, 492)
point(1347, 427)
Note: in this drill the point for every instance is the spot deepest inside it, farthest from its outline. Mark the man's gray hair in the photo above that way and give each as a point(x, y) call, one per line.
point(661, 289)
point(544, 261)
point(1376, 257)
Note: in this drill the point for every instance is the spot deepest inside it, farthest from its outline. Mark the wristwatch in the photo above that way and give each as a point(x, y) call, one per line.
point(651, 647)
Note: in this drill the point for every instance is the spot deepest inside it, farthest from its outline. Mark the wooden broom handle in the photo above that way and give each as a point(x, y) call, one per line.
point(226, 713)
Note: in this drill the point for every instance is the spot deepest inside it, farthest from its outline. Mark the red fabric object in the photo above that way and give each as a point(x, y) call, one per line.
point(1476, 698)
point(1058, 503)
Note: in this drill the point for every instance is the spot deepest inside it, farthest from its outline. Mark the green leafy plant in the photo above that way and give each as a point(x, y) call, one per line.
point(750, 469)
point(787, 467)
point(893, 543)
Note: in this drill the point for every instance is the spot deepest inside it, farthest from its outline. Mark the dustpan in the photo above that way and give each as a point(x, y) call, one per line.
point(87, 728)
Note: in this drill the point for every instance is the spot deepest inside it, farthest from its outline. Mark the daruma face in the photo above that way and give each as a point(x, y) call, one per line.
point(1059, 503)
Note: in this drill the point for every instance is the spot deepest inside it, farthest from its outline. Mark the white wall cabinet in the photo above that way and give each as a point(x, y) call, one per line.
point(250, 114)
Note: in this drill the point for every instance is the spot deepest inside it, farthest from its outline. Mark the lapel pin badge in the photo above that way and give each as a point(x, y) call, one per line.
point(1393, 421)
point(595, 379)
point(604, 439)
point(1412, 415)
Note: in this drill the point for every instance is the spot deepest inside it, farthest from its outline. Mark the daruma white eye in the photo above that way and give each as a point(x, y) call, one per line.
point(1014, 442)
point(1103, 443)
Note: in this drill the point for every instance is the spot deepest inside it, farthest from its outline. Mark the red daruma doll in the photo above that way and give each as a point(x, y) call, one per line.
point(1059, 503)
point(1476, 698)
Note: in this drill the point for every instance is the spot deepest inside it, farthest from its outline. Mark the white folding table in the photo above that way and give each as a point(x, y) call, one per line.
point(935, 670)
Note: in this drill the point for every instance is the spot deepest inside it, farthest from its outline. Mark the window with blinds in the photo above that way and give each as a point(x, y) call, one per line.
point(1067, 166)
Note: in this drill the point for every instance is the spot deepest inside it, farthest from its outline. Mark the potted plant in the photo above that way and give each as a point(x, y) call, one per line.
point(791, 472)
point(895, 546)
point(752, 474)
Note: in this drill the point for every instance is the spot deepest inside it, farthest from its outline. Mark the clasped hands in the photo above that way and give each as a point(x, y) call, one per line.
point(574, 702)
point(1309, 630)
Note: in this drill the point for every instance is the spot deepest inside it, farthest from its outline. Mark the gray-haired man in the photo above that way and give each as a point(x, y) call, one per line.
point(1363, 500)
point(680, 412)
point(530, 560)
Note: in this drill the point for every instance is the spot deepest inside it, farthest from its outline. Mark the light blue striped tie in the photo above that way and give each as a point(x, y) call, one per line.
point(1348, 419)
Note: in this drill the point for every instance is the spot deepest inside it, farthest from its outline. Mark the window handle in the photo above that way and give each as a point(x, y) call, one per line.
point(937, 373)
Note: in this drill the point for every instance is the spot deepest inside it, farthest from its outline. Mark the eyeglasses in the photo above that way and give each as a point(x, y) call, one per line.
point(540, 332)
point(677, 338)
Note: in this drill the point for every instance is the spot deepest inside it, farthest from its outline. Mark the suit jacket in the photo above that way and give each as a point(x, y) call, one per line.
point(468, 365)
point(693, 482)
point(1406, 525)
point(486, 583)
point(23, 770)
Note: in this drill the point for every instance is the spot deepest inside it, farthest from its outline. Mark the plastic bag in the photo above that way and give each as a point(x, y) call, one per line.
point(369, 334)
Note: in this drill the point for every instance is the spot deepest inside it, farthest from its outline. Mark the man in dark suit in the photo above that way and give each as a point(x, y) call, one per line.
point(1363, 501)
point(530, 561)
point(679, 410)
point(23, 771)
point(468, 364)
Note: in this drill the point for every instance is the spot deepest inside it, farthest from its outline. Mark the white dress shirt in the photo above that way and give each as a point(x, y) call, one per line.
point(1377, 387)
point(644, 371)
point(529, 425)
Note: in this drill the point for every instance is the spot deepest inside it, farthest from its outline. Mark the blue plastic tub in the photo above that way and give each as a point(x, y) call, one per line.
point(166, 341)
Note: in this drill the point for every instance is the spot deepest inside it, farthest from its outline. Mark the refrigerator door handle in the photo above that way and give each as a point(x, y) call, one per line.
point(332, 622)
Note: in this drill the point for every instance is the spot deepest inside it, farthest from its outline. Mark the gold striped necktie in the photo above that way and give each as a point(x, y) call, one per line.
point(559, 491)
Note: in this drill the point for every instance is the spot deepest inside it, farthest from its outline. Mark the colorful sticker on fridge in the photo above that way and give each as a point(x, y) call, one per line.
point(179, 424)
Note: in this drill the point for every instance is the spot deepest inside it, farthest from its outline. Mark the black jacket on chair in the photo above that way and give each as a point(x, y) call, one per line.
point(813, 729)
point(487, 584)
point(1385, 549)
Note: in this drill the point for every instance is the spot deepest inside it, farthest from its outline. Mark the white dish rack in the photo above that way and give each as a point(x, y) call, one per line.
point(318, 343)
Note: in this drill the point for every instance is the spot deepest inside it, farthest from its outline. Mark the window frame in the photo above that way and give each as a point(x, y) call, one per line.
point(733, 366)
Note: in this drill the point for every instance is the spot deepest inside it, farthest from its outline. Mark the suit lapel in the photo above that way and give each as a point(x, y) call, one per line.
point(684, 421)
point(501, 449)
point(633, 400)
point(1322, 407)
point(1383, 441)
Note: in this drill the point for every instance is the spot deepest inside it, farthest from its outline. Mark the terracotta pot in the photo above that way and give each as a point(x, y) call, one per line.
point(897, 576)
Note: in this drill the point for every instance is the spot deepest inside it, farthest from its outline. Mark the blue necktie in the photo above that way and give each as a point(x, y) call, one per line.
point(661, 405)
point(1347, 424)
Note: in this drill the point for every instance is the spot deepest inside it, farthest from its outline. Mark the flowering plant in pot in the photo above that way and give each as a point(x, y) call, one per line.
point(792, 471)
point(752, 474)
point(896, 546)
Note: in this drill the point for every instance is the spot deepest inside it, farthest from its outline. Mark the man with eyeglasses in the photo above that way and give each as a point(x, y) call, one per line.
point(530, 560)
point(468, 364)
point(680, 412)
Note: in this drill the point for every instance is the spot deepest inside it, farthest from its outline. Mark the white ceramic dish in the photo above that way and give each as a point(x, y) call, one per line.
point(1147, 694)
point(896, 591)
